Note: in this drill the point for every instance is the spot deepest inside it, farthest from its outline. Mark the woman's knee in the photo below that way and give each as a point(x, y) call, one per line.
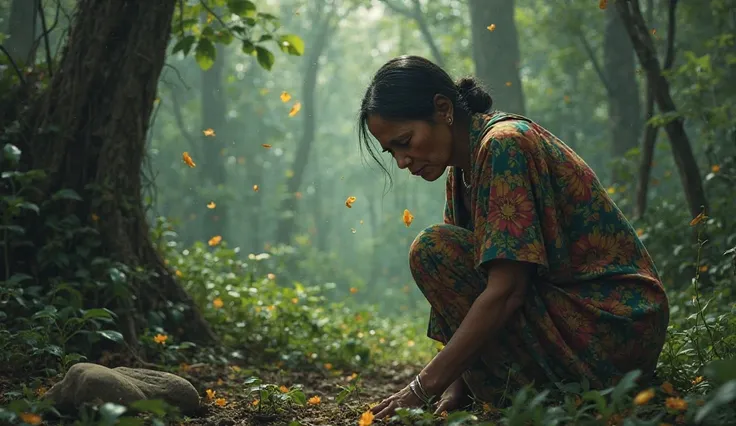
point(438, 247)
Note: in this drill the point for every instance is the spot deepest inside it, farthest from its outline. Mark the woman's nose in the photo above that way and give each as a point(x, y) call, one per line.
point(403, 161)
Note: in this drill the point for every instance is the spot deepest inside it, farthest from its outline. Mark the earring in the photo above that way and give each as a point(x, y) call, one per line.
point(449, 121)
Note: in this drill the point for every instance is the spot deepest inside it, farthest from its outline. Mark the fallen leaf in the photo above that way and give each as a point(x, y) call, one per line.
point(295, 109)
point(209, 132)
point(188, 159)
point(285, 96)
point(408, 217)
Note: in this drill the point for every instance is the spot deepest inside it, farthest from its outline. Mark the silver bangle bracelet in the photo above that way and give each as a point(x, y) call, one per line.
point(418, 390)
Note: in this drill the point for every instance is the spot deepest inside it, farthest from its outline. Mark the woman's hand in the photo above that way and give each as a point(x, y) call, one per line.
point(404, 398)
point(454, 397)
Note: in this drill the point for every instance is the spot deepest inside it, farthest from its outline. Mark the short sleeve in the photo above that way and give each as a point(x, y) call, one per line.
point(507, 214)
point(448, 215)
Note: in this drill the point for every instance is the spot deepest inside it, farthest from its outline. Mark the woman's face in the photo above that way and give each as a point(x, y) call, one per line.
point(422, 147)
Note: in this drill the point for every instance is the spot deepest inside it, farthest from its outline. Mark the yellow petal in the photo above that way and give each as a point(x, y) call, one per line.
point(295, 109)
point(211, 205)
point(491, 27)
point(408, 218)
point(209, 132)
point(285, 97)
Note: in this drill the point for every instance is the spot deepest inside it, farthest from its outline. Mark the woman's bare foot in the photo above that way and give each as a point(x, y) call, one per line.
point(456, 396)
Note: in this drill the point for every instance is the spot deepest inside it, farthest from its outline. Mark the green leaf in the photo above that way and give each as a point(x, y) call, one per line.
point(721, 370)
point(248, 47)
point(184, 45)
point(265, 57)
point(110, 413)
point(205, 53)
point(460, 417)
point(66, 194)
point(11, 153)
point(98, 313)
point(155, 406)
point(298, 397)
point(29, 206)
point(111, 335)
point(291, 44)
point(722, 396)
point(241, 7)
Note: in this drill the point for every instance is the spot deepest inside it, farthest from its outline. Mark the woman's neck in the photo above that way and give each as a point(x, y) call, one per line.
point(461, 144)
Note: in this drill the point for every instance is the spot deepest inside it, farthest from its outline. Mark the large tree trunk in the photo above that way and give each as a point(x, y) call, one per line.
point(22, 30)
point(496, 53)
point(619, 63)
point(681, 148)
point(88, 131)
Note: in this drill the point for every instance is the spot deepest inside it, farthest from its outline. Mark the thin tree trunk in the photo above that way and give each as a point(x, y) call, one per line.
point(650, 133)
point(415, 12)
point(22, 30)
point(496, 53)
point(308, 111)
point(88, 133)
point(681, 148)
point(624, 108)
point(214, 114)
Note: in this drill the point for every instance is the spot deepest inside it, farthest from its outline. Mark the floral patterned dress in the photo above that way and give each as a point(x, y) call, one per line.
point(596, 309)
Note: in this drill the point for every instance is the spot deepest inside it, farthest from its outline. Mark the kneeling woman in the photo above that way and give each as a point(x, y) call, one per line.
point(534, 266)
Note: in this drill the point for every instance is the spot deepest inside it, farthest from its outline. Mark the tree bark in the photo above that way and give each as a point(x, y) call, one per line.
point(687, 167)
point(88, 131)
point(496, 54)
point(22, 30)
point(624, 109)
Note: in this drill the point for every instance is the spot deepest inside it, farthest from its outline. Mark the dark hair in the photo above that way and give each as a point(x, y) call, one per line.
point(404, 89)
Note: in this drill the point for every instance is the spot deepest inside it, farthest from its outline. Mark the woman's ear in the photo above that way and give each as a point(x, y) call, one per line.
point(443, 107)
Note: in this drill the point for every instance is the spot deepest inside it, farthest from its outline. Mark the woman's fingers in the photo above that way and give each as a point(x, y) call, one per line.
point(390, 409)
point(442, 405)
point(383, 404)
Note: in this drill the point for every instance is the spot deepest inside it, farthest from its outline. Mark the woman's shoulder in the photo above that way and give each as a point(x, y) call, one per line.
point(505, 128)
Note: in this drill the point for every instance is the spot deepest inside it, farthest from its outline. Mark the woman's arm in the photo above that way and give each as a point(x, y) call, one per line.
point(504, 294)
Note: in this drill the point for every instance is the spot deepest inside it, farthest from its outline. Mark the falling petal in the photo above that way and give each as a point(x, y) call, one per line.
point(285, 96)
point(209, 132)
point(214, 241)
point(188, 159)
point(295, 109)
point(349, 202)
point(491, 27)
point(602, 4)
point(211, 205)
point(255, 188)
point(408, 217)
point(266, 145)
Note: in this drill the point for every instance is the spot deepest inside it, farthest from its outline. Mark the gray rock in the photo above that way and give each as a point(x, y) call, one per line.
point(93, 383)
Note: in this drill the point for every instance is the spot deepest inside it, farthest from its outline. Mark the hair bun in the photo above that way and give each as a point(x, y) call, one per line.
point(474, 96)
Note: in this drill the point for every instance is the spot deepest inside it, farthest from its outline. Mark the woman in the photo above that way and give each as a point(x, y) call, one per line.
point(535, 275)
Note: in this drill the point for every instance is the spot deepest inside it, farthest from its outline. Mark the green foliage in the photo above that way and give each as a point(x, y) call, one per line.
point(204, 24)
